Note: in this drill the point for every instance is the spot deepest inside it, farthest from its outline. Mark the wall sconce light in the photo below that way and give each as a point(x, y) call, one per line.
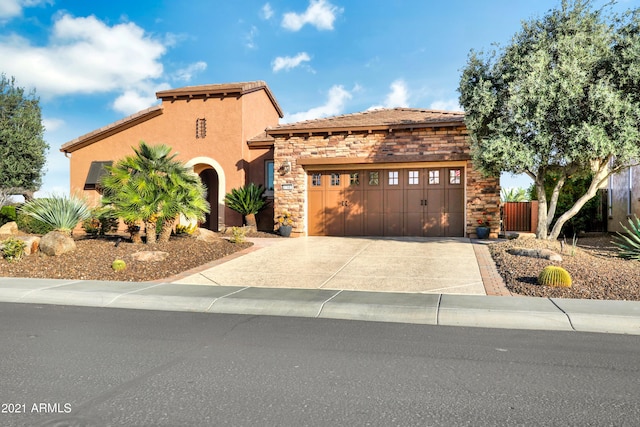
point(286, 167)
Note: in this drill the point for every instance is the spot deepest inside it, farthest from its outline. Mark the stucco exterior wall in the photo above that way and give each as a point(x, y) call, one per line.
point(437, 146)
point(230, 122)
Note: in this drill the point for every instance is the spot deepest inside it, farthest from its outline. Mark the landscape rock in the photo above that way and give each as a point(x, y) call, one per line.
point(56, 243)
point(32, 244)
point(536, 253)
point(9, 228)
point(149, 256)
point(206, 235)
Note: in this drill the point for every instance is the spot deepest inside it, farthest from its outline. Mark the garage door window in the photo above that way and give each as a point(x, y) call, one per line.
point(335, 179)
point(393, 177)
point(354, 178)
point(374, 178)
point(454, 176)
point(414, 177)
point(316, 180)
point(434, 177)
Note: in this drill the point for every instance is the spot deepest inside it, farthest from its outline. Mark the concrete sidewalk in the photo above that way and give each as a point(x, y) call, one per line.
point(430, 309)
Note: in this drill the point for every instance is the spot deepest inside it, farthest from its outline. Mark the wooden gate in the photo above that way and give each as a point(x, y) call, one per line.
point(520, 216)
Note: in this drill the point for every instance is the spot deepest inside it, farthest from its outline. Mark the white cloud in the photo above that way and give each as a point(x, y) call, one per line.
point(320, 13)
point(288, 62)
point(134, 100)
point(52, 125)
point(336, 100)
point(398, 97)
point(446, 104)
point(12, 8)
point(267, 11)
point(186, 74)
point(84, 55)
point(251, 44)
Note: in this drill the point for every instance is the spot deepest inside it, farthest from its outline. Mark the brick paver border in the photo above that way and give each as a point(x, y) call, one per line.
point(491, 279)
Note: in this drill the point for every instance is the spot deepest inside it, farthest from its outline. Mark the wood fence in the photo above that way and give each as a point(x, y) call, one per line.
point(520, 216)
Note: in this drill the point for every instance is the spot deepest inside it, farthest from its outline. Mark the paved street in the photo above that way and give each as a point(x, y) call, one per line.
point(94, 366)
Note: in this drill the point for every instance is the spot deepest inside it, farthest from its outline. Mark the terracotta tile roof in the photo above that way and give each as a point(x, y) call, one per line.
point(224, 89)
point(374, 119)
point(81, 141)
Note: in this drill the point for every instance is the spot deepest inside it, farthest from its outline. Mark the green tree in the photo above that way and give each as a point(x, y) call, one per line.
point(248, 201)
point(153, 188)
point(513, 195)
point(563, 97)
point(22, 145)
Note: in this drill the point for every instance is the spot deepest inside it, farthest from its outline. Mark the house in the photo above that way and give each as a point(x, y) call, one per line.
point(208, 126)
point(387, 172)
point(623, 198)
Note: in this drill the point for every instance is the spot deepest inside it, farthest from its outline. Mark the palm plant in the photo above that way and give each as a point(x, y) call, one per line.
point(513, 195)
point(248, 201)
point(153, 188)
point(60, 212)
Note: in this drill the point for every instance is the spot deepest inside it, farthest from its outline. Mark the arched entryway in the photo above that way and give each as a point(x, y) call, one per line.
point(212, 176)
point(209, 178)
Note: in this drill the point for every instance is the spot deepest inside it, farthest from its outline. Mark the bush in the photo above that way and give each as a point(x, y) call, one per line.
point(629, 244)
point(118, 265)
point(238, 235)
point(60, 212)
point(101, 222)
point(13, 249)
point(555, 276)
point(7, 214)
point(30, 225)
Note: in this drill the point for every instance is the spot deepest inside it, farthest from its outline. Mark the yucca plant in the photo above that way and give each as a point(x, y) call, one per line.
point(60, 212)
point(629, 244)
point(248, 201)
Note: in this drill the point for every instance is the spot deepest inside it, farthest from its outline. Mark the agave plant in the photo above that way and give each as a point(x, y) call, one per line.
point(629, 244)
point(60, 212)
point(248, 201)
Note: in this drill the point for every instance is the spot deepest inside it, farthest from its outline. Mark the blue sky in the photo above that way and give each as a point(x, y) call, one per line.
point(93, 63)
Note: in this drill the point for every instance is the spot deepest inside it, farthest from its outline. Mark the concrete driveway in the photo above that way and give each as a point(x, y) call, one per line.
point(397, 264)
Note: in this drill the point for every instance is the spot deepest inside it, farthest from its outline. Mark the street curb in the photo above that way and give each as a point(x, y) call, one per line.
point(621, 317)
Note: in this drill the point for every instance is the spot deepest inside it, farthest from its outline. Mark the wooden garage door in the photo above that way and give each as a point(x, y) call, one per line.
point(387, 202)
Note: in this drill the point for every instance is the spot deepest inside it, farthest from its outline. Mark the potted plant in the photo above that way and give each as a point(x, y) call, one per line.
point(285, 224)
point(484, 226)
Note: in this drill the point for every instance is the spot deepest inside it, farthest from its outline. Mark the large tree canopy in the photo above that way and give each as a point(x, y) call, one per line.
point(562, 97)
point(22, 145)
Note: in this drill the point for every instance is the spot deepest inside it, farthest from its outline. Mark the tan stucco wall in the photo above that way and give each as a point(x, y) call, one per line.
point(230, 122)
point(619, 191)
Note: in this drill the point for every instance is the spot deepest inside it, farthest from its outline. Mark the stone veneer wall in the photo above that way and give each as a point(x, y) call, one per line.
point(419, 145)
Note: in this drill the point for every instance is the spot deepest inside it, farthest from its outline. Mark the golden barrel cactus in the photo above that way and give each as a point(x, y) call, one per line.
point(555, 276)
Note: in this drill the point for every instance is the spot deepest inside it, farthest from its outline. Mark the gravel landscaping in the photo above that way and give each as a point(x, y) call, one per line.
point(93, 257)
point(596, 269)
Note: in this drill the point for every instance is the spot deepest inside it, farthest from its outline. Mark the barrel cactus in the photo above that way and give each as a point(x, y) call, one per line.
point(555, 276)
point(118, 265)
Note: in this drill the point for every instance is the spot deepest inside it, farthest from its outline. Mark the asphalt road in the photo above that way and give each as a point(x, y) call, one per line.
point(82, 366)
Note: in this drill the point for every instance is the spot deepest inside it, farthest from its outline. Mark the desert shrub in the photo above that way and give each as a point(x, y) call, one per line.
point(13, 249)
point(629, 244)
point(118, 265)
point(185, 229)
point(62, 213)
point(555, 276)
point(101, 221)
point(238, 235)
point(7, 214)
point(30, 225)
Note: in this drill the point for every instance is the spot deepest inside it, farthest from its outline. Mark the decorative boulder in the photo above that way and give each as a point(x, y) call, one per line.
point(56, 243)
point(149, 256)
point(206, 235)
point(9, 228)
point(32, 244)
point(536, 253)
